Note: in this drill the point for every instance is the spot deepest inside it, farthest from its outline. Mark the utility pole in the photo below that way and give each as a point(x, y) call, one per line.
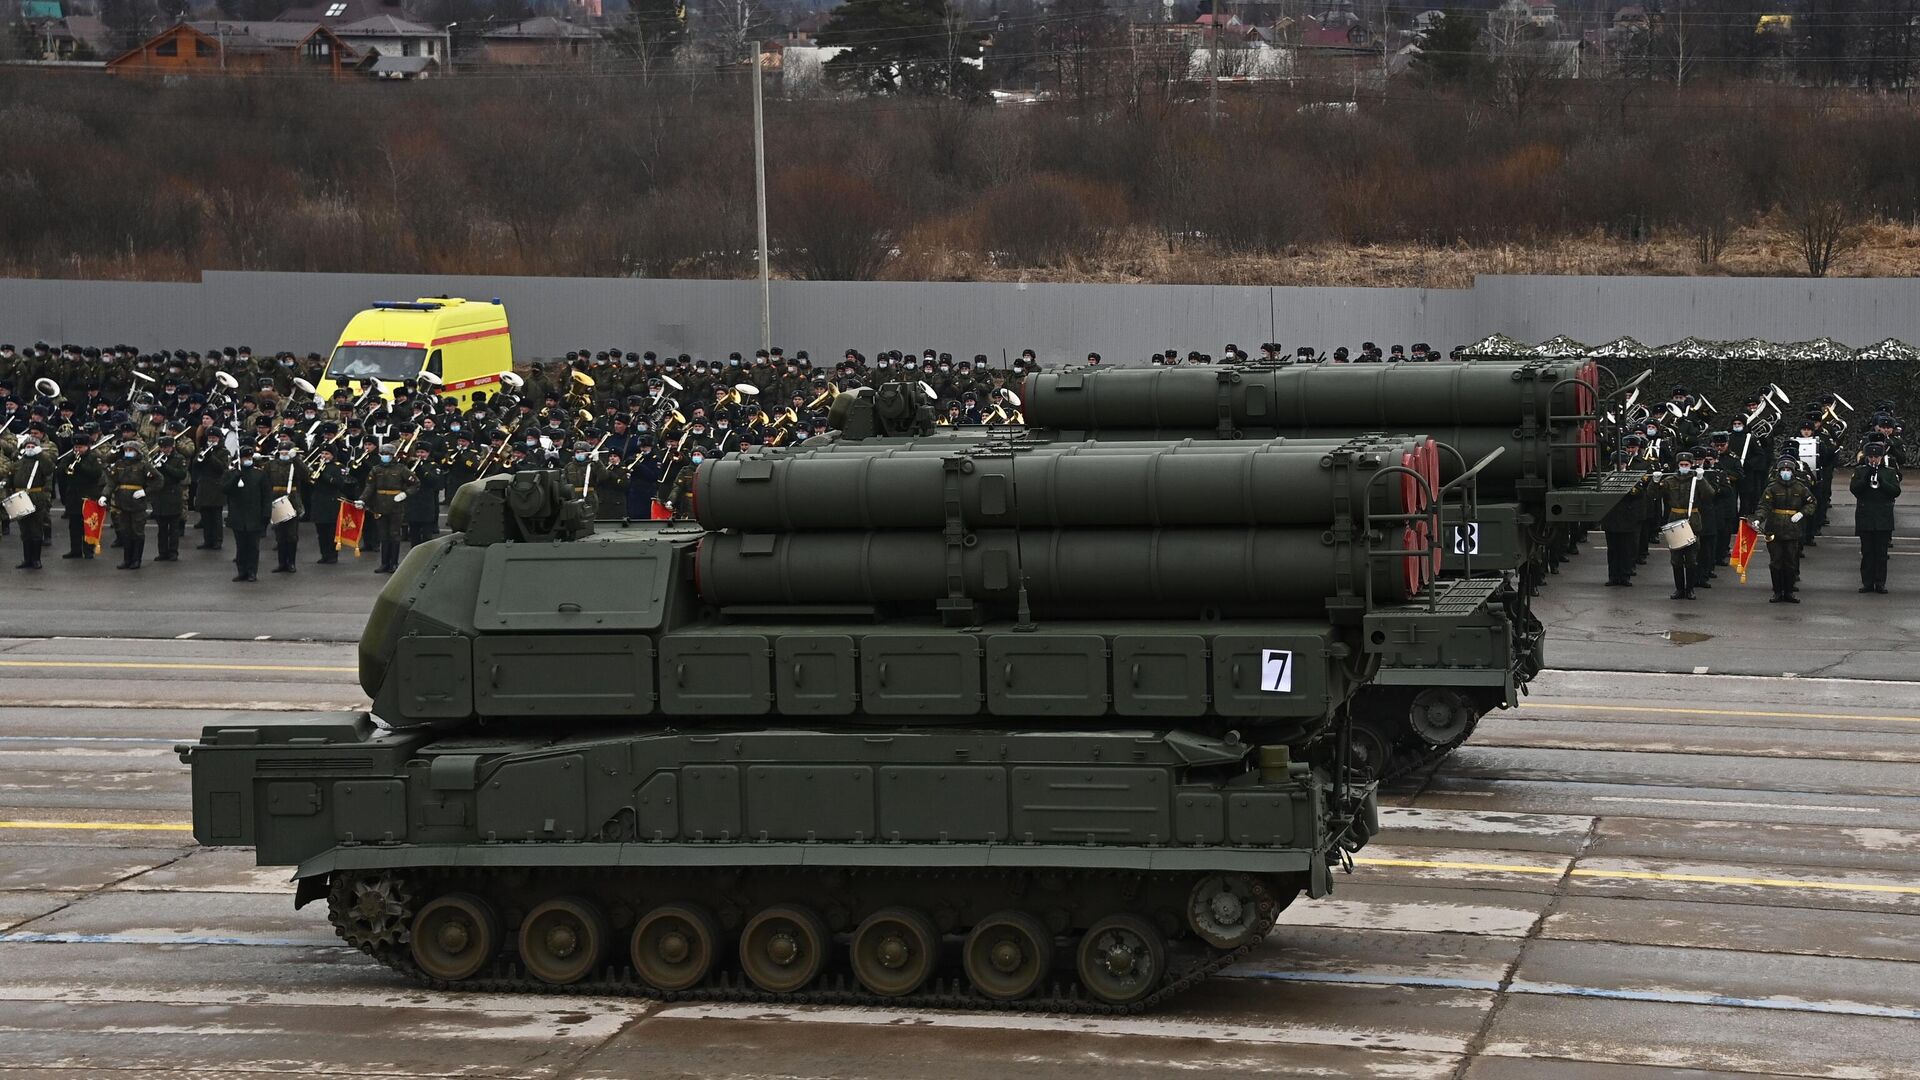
point(1213, 77)
point(760, 199)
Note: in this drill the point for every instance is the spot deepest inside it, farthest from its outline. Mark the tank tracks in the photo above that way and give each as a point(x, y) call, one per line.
point(1407, 761)
point(1189, 962)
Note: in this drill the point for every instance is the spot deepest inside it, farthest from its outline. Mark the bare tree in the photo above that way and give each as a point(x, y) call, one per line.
point(1711, 202)
point(1821, 203)
point(831, 226)
point(722, 28)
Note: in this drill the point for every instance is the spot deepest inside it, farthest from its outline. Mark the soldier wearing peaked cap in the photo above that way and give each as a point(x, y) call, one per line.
point(1875, 485)
point(131, 481)
point(31, 473)
point(1684, 495)
point(384, 497)
point(1781, 519)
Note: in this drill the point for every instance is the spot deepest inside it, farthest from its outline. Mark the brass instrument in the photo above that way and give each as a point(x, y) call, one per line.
point(138, 399)
point(580, 393)
point(825, 396)
point(312, 459)
point(46, 388)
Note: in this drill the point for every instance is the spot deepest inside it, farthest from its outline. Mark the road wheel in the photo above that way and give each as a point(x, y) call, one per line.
point(1122, 959)
point(784, 948)
point(674, 946)
point(894, 951)
point(1008, 955)
point(454, 936)
point(562, 940)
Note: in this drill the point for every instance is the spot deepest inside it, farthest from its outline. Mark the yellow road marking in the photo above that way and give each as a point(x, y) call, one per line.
point(1639, 875)
point(132, 826)
point(160, 666)
point(1718, 712)
point(1439, 864)
point(1722, 879)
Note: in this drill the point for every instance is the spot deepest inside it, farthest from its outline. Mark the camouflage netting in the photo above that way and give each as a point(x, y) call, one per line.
point(1727, 371)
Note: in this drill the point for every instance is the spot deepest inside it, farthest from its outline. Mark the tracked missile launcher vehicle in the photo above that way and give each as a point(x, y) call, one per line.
point(1060, 729)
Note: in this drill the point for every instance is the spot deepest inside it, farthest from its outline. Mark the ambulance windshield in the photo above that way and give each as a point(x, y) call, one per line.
point(388, 363)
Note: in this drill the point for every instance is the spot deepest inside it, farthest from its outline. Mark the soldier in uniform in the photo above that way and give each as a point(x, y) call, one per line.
point(132, 476)
point(1728, 478)
point(423, 508)
point(464, 462)
point(168, 497)
point(33, 474)
point(581, 474)
point(1784, 506)
point(1621, 524)
point(331, 484)
point(247, 501)
point(1707, 530)
point(384, 498)
point(286, 475)
point(679, 484)
point(82, 479)
point(1814, 453)
point(210, 467)
point(610, 488)
point(1875, 484)
point(1684, 493)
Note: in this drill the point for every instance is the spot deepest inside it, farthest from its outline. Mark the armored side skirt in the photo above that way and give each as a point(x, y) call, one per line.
point(330, 793)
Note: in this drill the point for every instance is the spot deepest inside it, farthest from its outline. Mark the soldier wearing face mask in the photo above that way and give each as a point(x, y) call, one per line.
point(248, 504)
point(679, 499)
point(129, 481)
point(32, 474)
point(1875, 485)
point(384, 498)
point(1781, 519)
point(1685, 494)
point(287, 475)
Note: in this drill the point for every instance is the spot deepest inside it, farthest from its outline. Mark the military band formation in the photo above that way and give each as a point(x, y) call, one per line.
point(244, 445)
point(1775, 475)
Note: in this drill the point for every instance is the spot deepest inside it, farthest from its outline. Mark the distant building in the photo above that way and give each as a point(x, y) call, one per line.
point(391, 36)
point(76, 37)
point(542, 41)
point(398, 68)
point(236, 48)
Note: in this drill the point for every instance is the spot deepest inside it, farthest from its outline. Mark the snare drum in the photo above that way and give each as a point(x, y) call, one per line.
point(282, 510)
point(1677, 535)
point(17, 505)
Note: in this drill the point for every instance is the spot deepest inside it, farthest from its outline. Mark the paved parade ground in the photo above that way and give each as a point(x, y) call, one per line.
point(1695, 846)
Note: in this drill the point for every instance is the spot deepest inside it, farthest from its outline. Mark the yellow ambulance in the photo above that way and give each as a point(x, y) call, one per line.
point(464, 344)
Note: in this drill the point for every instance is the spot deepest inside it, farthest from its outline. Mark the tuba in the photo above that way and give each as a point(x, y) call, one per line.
point(46, 388)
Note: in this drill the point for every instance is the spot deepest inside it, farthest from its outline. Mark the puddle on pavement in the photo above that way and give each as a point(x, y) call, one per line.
point(1685, 637)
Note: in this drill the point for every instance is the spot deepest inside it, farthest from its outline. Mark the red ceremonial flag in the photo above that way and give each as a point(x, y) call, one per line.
point(348, 530)
point(1744, 542)
point(92, 517)
point(661, 513)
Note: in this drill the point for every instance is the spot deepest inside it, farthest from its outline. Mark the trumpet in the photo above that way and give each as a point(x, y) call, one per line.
point(136, 397)
point(312, 460)
point(374, 389)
